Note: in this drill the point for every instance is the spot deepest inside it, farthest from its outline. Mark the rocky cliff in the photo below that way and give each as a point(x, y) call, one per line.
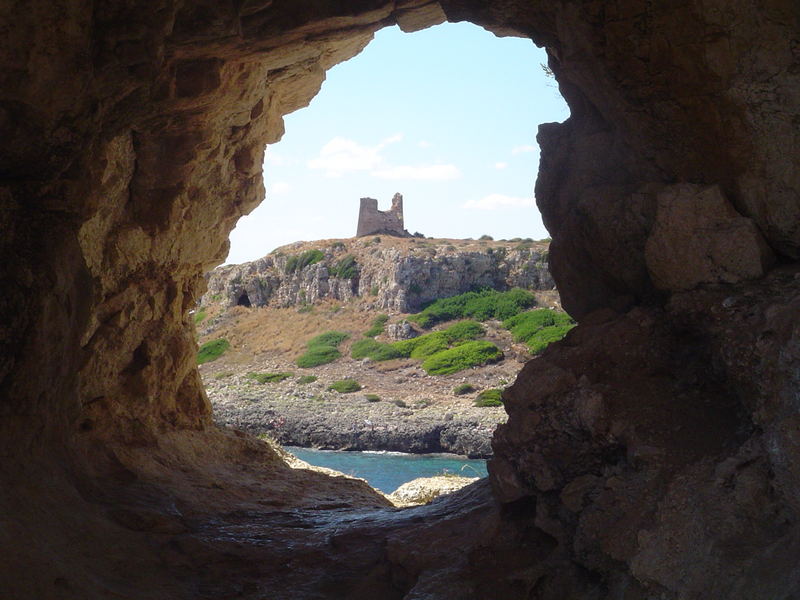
point(392, 274)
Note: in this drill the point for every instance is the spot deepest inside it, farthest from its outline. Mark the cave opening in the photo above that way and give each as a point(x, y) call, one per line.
point(469, 188)
point(244, 300)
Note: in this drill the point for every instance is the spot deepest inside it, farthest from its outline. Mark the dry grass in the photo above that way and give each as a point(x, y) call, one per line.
point(285, 331)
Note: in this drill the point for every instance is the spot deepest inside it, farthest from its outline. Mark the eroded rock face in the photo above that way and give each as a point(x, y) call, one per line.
point(133, 135)
point(399, 277)
point(698, 237)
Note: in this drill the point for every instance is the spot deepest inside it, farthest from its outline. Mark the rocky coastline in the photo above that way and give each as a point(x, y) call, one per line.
point(313, 418)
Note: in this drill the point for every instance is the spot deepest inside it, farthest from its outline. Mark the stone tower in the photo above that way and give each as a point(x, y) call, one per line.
point(372, 221)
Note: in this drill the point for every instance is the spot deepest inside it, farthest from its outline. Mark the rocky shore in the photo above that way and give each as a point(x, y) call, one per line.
point(311, 416)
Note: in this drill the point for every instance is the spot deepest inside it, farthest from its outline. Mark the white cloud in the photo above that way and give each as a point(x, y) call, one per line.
point(278, 188)
point(423, 172)
point(523, 149)
point(424, 144)
point(273, 158)
point(496, 201)
point(500, 165)
point(343, 155)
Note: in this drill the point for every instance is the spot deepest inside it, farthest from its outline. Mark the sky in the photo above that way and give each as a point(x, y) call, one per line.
point(446, 116)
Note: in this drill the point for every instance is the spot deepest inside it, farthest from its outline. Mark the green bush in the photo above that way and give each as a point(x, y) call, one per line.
point(426, 345)
point(538, 328)
point(429, 344)
point(346, 268)
point(223, 375)
point(463, 388)
point(212, 350)
point(329, 338)
point(542, 339)
point(377, 326)
point(373, 398)
point(369, 348)
point(304, 379)
point(486, 237)
point(464, 356)
point(298, 262)
point(320, 355)
point(492, 397)
point(345, 386)
point(400, 403)
point(481, 305)
point(199, 316)
point(322, 349)
point(463, 331)
point(268, 377)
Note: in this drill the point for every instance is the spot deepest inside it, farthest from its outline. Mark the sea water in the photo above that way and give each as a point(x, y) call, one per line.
point(386, 471)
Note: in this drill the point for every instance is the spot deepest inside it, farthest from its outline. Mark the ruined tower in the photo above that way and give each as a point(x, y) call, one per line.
point(371, 220)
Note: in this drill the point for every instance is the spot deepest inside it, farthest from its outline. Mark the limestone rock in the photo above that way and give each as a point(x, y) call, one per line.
point(400, 331)
point(399, 275)
point(424, 489)
point(698, 237)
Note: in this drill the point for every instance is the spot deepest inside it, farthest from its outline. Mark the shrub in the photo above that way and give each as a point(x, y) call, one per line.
point(373, 291)
point(491, 397)
point(542, 339)
point(468, 354)
point(480, 305)
point(320, 355)
point(329, 338)
point(338, 246)
point(345, 386)
point(377, 326)
point(322, 349)
point(369, 348)
point(415, 288)
point(400, 403)
point(373, 398)
point(463, 388)
point(346, 268)
point(268, 377)
point(463, 331)
point(199, 316)
point(223, 375)
point(298, 262)
point(539, 328)
point(212, 350)
point(486, 237)
point(304, 379)
point(431, 343)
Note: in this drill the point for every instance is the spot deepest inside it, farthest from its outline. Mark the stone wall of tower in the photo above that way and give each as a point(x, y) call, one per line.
point(371, 220)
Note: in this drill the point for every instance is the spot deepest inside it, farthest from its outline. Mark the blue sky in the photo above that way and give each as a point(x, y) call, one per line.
point(446, 116)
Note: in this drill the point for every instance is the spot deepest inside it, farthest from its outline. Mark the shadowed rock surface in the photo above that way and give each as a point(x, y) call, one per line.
point(654, 453)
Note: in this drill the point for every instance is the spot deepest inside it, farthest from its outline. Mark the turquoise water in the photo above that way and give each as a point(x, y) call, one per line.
point(387, 471)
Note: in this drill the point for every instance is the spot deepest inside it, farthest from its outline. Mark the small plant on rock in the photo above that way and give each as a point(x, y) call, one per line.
point(212, 350)
point(373, 398)
point(305, 379)
point(268, 377)
point(463, 388)
point(322, 349)
point(345, 386)
point(490, 397)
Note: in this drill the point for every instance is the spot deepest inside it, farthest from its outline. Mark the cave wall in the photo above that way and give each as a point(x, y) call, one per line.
point(133, 137)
